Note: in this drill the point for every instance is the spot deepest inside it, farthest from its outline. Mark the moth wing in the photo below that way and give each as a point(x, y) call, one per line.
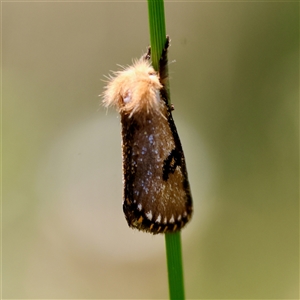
point(156, 189)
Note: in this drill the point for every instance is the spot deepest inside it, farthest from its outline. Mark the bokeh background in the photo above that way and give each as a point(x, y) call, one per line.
point(235, 88)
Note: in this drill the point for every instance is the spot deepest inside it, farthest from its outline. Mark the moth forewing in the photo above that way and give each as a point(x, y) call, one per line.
point(156, 194)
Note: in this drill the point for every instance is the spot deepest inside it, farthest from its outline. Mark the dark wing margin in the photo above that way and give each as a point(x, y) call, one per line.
point(176, 155)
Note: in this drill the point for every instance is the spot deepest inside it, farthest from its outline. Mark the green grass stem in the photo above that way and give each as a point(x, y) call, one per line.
point(157, 27)
point(174, 263)
point(173, 240)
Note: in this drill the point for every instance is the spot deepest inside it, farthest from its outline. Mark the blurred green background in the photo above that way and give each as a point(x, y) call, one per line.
point(235, 87)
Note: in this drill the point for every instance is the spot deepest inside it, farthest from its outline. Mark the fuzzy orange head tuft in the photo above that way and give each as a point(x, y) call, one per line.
point(136, 89)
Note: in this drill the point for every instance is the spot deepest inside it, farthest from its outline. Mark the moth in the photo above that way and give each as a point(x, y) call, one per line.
point(156, 195)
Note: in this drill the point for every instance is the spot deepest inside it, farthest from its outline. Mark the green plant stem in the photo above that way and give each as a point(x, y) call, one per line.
point(173, 240)
point(174, 262)
point(157, 27)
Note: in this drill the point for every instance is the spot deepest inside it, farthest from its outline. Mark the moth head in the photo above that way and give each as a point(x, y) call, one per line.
point(135, 89)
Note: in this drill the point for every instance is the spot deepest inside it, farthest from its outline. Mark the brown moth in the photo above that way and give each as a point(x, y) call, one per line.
point(157, 196)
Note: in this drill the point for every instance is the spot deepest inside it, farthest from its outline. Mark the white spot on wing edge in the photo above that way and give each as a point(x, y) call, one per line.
point(158, 219)
point(172, 220)
point(149, 215)
point(139, 207)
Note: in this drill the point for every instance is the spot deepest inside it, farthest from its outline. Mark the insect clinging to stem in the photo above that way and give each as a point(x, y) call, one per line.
point(156, 195)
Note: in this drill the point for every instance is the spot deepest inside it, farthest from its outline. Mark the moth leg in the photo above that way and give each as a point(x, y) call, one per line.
point(147, 55)
point(163, 63)
point(166, 47)
point(163, 73)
